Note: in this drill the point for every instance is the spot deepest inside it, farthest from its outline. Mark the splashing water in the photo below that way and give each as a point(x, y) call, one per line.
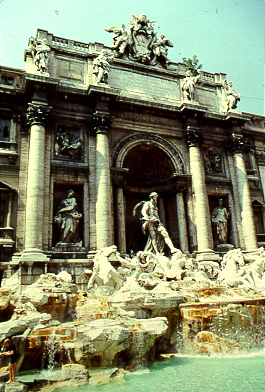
point(52, 347)
point(139, 346)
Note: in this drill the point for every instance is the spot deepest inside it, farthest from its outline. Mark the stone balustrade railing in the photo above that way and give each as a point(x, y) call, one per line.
point(208, 76)
point(70, 44)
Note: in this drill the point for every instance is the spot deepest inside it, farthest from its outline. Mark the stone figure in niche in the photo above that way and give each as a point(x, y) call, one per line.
point(188, 85)
point(120, 40)
point(101, 66)
point(67, 219)
point(40, 52)
point(219, 218)
point(68, 147)
point(232, 96)
point(147, 211)
point(140, 43)
point(212, 161)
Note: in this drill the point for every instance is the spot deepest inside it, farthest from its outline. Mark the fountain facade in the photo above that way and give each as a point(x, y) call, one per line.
point(143, 155)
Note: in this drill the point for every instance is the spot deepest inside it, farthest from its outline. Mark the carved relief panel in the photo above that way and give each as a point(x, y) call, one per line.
point(213, 161)
point(69, 143)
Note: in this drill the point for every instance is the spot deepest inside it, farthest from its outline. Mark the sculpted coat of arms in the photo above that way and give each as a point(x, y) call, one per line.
point(140, 43)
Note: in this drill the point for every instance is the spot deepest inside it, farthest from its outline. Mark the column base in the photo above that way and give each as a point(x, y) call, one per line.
point(224, 247)
point(33, 255)
point(208, 255)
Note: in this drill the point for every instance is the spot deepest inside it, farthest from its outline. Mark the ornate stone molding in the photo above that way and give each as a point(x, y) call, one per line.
point(237, 143)
point(194, 137)
point(37, 114)
point(100, 123)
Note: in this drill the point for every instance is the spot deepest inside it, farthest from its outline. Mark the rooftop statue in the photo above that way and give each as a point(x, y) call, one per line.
point(232, 96)
point(101, 66)
point(188, 85)
point(140, 43)
point(160, 49)
point(40, 52)
point(120, 40)
point(152, 226)
point(141, 23)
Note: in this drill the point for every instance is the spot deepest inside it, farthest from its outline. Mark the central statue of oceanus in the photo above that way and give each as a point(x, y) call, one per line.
point(147, 211)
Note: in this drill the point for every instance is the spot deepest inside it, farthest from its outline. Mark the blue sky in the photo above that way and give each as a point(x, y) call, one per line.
point(226, 35)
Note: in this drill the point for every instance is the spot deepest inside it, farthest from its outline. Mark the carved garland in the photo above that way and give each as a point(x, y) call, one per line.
point(131, 141)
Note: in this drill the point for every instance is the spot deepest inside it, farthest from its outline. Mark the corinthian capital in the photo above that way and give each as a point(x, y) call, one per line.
point(38, 114)
point(237, 143)
point(100, 123)
point(193, 137)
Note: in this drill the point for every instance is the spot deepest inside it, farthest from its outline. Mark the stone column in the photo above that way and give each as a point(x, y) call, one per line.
point(36, 117)
point(100, 123)
point(236, 146)
point(236, 211)
point(121, 219)
point(201, 208)
point(182, 226)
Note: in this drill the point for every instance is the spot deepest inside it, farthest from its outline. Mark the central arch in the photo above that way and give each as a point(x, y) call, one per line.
point(152, 164)
point(146, 140)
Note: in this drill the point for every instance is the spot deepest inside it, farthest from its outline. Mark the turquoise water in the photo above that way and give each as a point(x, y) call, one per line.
point(182, 373)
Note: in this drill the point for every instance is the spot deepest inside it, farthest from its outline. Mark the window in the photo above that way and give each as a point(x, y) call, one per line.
point(7, 80)
point(4, 130)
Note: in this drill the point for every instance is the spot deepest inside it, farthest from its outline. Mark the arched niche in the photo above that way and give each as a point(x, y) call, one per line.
point(143, 163)
point(148, 147)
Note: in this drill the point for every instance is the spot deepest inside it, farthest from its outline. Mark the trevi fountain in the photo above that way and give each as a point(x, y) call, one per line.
point(131, 262)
